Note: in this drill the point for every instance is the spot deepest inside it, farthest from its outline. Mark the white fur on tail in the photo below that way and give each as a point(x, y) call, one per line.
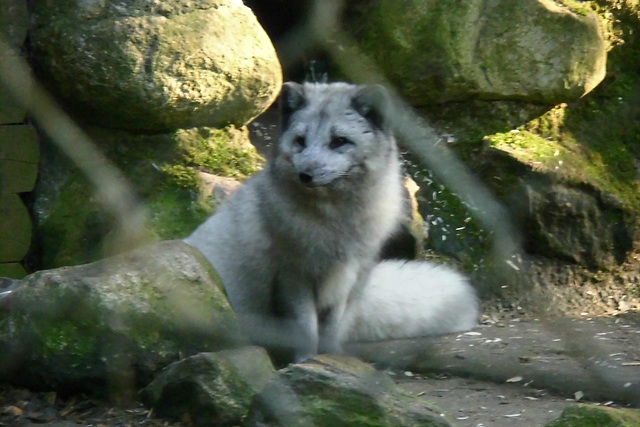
point(408, 300)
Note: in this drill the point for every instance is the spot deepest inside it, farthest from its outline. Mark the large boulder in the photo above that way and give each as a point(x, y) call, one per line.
point(156, 65)
point(438, 51)
point(575, 224)
point(113, 323)
point(338, 390)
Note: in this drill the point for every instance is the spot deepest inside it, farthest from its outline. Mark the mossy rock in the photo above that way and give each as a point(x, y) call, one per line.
point(156, 66)
point(115, 322)
point(74, 227)
point(580, 153)
point(457, 50)
point(337, 390)
point(596, 416)
point(12, 270)
point(210, 388)
point(15, 228)
point(19, 156)
point(575, 199)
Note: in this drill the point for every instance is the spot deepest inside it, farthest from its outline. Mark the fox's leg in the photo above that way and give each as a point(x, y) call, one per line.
point(306, 343)
point(340, 287)
point(294, 302)
point(330, 340)
point(297, 332)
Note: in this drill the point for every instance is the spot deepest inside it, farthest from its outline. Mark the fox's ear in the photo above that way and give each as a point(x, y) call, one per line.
point(372, 102)
point(291, 100)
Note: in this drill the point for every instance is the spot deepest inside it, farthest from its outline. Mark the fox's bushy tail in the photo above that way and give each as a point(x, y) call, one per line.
point(411, 299)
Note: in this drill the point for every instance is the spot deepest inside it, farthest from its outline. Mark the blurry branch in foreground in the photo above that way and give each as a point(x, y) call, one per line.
point(110, 186)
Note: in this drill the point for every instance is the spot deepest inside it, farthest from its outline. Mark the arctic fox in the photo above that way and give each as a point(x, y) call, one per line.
point(297, 245)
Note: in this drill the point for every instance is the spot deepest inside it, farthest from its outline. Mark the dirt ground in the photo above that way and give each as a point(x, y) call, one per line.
point(516, 372)
point(475, 403)
point(526, 372)
point(469, 402)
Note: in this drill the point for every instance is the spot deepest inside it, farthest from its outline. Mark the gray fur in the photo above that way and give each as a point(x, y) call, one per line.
point(296, 244)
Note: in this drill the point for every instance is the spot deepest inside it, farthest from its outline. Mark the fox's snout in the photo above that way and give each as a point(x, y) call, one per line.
point(312, 173)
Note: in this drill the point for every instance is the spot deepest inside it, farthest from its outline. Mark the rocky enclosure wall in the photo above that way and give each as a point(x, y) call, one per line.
point(19, 152)
point(165, 91)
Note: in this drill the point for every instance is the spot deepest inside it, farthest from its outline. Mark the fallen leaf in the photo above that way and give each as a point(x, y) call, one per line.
point(512, 415)
point(12, 410)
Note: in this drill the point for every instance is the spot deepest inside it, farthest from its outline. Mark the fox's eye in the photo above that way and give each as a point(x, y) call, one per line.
point(300, 141)
point(339, 142)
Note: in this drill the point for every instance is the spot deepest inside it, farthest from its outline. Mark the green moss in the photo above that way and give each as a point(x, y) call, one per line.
point(614, 16)
point(344, 410)
point(76, 222)
point(539, 153)
point(574, 144)
point(527, 147)
point(596, 416)
point(149, 338)
point(583, 8)
point(223, 152)
point(73, 340)
point(69, 337)
point(13, 270)
point(471, 121)
point(174, 212)
point(164, 172)
point(182, 176)
point(592, 141)
point(328, 404)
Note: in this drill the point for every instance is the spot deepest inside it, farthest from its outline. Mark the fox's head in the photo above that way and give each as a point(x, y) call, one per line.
point(333, 134)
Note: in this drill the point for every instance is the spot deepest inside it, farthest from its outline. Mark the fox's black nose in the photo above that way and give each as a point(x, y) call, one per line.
point(305, 178)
